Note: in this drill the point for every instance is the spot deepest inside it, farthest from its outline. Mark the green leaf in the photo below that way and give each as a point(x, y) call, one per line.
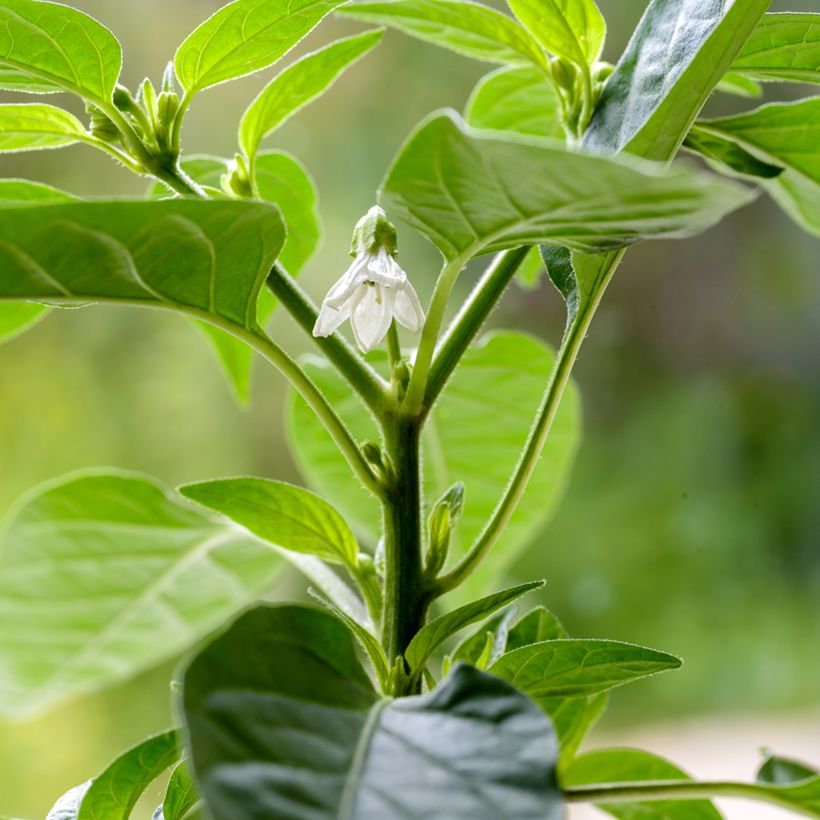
point(455, 185)
point(284, 515)
point(33, 126)
point(46, 47)
point(113, 795)
point(572, 29)
point(180, 796)
point(573, 718)
point(17, 317)
point(538, 625)
point(208, 259)
point(433, 634)
point(244, 37)
point(23, 190)
point(531, 270)
point(518, 99)
point(574, 668)
point(740, 85)
point(308, 737)
point(106, 574)
point(714, 147)
point(780, 770)
point(787, 135)
point(677, 55)
point(509, 365)
point(299, 84)
point(485, 646)
point(784, 47)
point(465, 27)
point(635, 766)
point(204, 169)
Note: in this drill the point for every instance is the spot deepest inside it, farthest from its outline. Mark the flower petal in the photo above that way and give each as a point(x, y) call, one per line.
point(344, 288)
point(371, 316)
point(407, 308)
point(329, 318)
point(383, 269)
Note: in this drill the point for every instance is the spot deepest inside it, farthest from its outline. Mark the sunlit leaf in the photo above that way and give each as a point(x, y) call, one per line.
point(740, 85)
point(33, 126)
point(180, 796)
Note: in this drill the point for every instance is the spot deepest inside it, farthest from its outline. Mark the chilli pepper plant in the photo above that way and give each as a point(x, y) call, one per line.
point(411, 686)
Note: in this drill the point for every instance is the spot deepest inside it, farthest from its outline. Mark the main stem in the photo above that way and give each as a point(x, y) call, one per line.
point(404, 607)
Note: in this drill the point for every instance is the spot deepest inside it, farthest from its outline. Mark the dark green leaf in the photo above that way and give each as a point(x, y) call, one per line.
point(431, 636)
point(46, 47)
point(465, 27)
point(284, 515)
point(244, 37)
point(778, 771)
point(455, 186)
point(575, 668)
point(677, 55)
point(113, 794)
point(104, 575)
point(180, 796)
point(511, 365)
point(298, 85)
point(783, 47)
point(572, 29)
point(284, 723)
point(714, 147)
point(33, 126)
point(518, 99)
point(635, 766)
point(208, 259)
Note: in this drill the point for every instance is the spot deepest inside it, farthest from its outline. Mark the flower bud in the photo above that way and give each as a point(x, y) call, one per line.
point(373, 232)
point(169, 78)
point(441, 523)
point(237, 181)
point(102, 127)
point(564, 74)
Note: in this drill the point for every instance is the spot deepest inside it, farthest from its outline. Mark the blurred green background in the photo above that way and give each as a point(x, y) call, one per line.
point(692, 519)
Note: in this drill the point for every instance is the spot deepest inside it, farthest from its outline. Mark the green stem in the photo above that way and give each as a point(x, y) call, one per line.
point(468, 322)
point(677, 790)
point(429, 335)
point(393, 346)
point(559, 379)
point(404, 608)
point(364, 380)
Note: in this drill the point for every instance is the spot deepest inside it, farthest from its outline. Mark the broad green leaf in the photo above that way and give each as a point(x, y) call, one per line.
point(677, 55)
point(244, 37)
point(284, 515)
point(299, 84)
point(113, 794)
point(457, 447)
point(17, 317)
point(459, 25)
point(635, 766)
point(180, 796)
point(779, 770)
point(208, 259)
point(572, 29)
point(32, 126)
point(783, 47)
point(740, 85)
point(573, 718)
point(570, 668)
point(472, 192)
point(433, 634)
point(23, 190)
point(715, 147)
point(106, 574)
point(308, 737)
point(538, 625)
point(518, 99)
point(786, 135)
point(48, 47)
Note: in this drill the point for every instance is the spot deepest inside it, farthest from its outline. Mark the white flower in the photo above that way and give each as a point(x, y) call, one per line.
point(374, 290)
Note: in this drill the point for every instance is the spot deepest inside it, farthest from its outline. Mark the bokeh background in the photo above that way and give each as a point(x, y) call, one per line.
point(692, 520)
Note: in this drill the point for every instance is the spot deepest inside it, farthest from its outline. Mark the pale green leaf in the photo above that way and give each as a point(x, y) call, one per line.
point(740, 85)
point(433, 634)
point(299, 84)
point(284, 515)
point(17, 317)
point(784, 47)
point(23, 190)
point(519, 99)
point(531, 270)
point(635, 766)
point(472, 192)
point(574, 667)
point(48, 47)
point(487, 644)
point(502, 378)
point(308, 737)
point(113, 794)
point(105, 574)
point(677, 55)
point(208, 259)
point(32, 126)
point(572, 29)
point(244, 37)
point(459, 25)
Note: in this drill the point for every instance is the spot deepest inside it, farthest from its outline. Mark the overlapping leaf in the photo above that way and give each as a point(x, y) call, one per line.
point(32, 126)
point(105, 574)
point(471, 192)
